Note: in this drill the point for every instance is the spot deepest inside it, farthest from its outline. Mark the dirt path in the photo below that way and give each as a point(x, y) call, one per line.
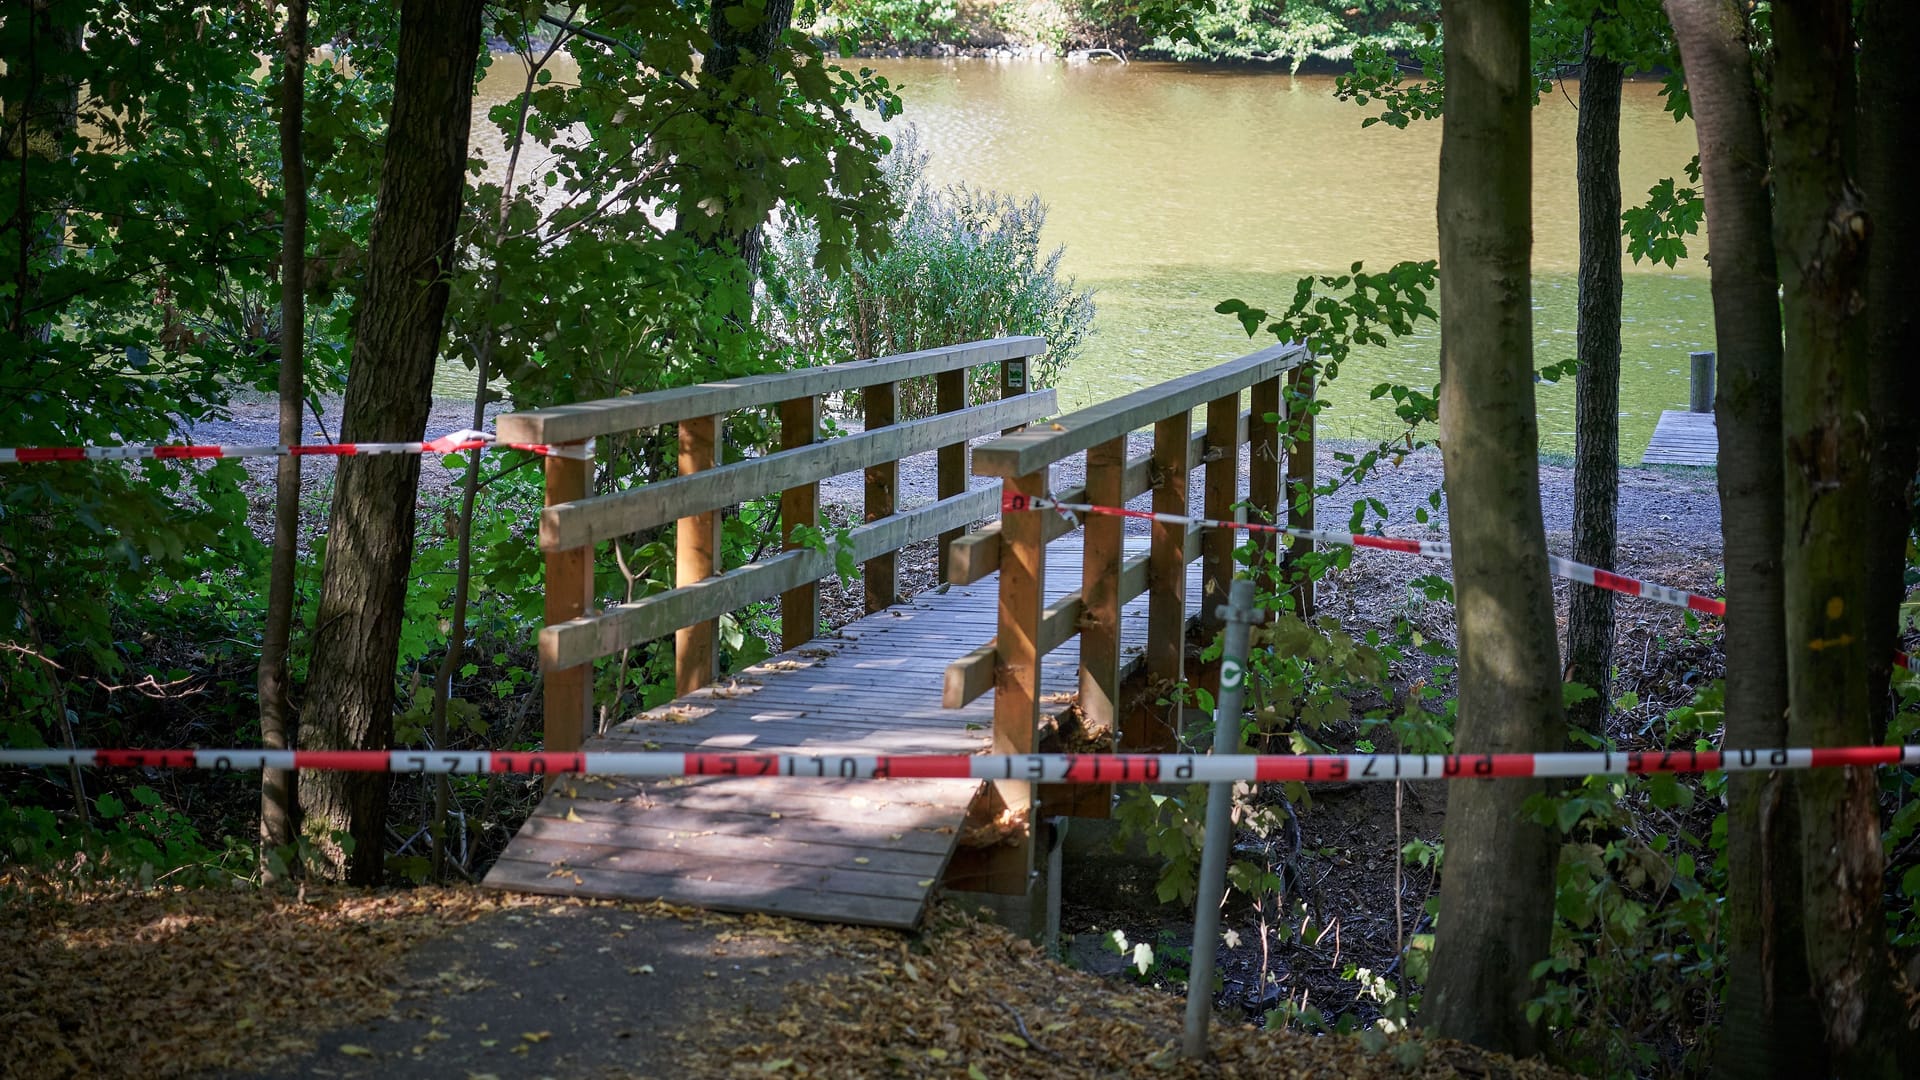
point(463, 984)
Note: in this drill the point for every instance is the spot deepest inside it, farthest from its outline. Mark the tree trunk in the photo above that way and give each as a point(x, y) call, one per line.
point(1768, 995)
point(278, 818)
point(1889, 40)
point(1596, 453)
point(45, 119)
point(350, 690)
point(735, 48)
point(1820, 231)
point(1496, 895)
point(485, 340)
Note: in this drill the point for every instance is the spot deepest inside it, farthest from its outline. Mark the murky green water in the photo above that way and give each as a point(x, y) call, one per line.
point(1177, 186)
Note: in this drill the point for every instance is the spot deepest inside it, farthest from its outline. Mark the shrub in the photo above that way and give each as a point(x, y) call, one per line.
point(963, 265)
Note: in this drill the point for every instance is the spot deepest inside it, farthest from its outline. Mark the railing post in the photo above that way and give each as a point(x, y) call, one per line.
point(1300, 393)
point(950, 393)
point(1263, 460)
point(1100, 589)
point(881, 405)
point(1013, 381)
point(1221, 486)
point(1016, 677)
point(567, 694)
point(1166, 580)
point(696, 544)
point(800, 605)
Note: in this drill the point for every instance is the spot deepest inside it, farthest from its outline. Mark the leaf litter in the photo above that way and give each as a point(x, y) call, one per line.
point(183, 982)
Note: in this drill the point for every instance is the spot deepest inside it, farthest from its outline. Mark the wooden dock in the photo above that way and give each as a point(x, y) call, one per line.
point(857, 851)
point(1683, 438)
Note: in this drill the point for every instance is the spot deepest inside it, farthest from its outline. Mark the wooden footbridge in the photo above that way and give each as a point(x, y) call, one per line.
point(1027, 639)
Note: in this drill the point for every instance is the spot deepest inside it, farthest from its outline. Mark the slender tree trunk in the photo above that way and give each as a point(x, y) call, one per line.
point(350, 690)
point(470, 485)
point(1596, 453)
point(735, 49)
point(1890, 98)
point(1496, 893)
point(45, 119)
point(1768, 994)
point(1821, 232)
point(278, 817)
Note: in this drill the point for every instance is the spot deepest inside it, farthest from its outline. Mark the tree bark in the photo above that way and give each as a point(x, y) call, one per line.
point(1821, 233)
point(485, 339)
point(350, 690)
point(735, 48)
point(1496, 894)
point(1889, 40)
point(45, 119)
point(278, 811)
point(1596, 453)
point(1768, 993)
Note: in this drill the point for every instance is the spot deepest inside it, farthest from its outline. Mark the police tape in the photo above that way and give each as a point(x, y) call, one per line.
point(455, 443)
point(1565, 569)
point(1050, 768)
point(1432, 549)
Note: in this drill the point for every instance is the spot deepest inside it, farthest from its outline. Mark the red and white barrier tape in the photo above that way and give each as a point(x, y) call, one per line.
point(1566, 569)
point(1052, 768)
point(446, 444)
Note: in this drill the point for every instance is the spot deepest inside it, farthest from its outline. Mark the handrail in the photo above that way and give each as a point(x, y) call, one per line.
point(590, 419)
point(602, 517)
point(1028, 628)
point(705, 588)
point(1030, 451)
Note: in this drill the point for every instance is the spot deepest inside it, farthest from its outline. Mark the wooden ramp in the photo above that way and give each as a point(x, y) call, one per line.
point(856, 851)
point(1683, 438)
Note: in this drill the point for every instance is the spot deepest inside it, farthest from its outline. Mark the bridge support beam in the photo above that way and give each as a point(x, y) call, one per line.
point(1008, 866)
point(567, 694)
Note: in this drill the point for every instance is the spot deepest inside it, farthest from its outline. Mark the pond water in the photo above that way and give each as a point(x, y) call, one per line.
point(1175, 186)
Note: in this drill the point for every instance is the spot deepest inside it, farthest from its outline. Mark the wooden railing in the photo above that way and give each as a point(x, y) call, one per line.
point(1030, 628)
point(577, 632)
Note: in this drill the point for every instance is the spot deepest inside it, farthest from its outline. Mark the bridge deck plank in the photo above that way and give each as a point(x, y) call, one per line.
point(1683, 438)
point(856, 851)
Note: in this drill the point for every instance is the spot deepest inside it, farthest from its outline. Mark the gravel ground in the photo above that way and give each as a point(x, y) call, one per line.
point(1662, 508)
point(1669, 517)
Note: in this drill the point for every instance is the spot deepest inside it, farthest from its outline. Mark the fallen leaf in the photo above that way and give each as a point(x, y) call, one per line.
point(536, 1036)
point(1011, 1039)
point(352, 1050)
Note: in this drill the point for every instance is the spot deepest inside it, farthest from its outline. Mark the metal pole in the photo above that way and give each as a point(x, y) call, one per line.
point(1700, 387)
point(1056, 867)
point(1239, 615)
